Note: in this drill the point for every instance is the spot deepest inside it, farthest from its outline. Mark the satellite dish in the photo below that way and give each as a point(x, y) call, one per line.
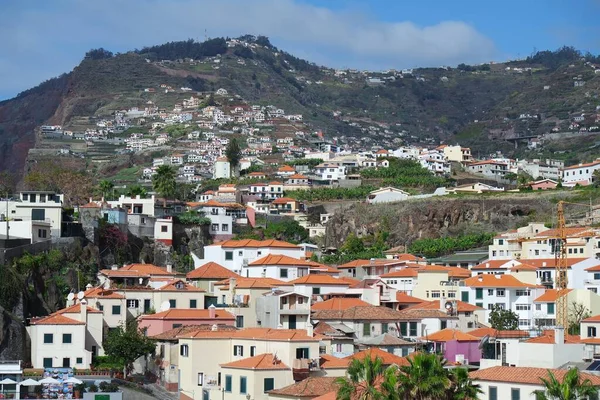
point(165, 305)
point(80, 295)
point(70, 296)
point(448, 305)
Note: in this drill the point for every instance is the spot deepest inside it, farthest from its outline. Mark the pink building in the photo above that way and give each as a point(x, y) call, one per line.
point(175, 318)
point(452, 342)
point(544, 184)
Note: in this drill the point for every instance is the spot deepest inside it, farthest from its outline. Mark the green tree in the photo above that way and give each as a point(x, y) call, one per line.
point(424, 378)
point(577, 313)
point(137, 190)
point(164, 182)
point(362, 380)
point(105, 188)
point(462, 386)
point(234, 154)
point(352, 244)
point(127, 343)
point(572, 387)
point(596, 178)
point(503, 320)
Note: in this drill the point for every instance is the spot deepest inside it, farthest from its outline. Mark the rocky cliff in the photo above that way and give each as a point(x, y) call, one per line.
point(437, 217)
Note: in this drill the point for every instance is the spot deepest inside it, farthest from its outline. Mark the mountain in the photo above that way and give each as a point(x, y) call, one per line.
point(485, 107)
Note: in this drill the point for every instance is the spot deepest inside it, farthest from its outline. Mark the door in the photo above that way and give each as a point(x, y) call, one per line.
point(292, 322)
point(146, 305)
point(66, 362)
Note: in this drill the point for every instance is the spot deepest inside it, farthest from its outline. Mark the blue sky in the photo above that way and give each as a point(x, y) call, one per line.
point(42, 39)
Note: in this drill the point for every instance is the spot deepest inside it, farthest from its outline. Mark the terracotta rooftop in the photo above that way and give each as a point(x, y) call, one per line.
point(526, 375)
point(137, 270)
point(297, 176)
point(411, 314)
point(595, 318)
point(551, 295)
point(211, 270)
point(262, 361)
point(490, 280)
point(190, 313)
point(447, 335)
point(365, 313)
point(188, 330)
point(76, 309)
point(99, 292)
point(257, 243)
point(401, 273)
point(485, 331)
point(547, 337)
point(339, 303)
point(542, 263)
point(435, 305)
point(56, 319)
point(287, 335)
point(319, 279)
point(283, 200)
point(215, 203)
point(185, 287)
point(252, 283)
point(328, 361)
point(404, 298)
point(278, 259)
point(309, 387)
point(374, 352)
point(286, 168)
point(573, 231)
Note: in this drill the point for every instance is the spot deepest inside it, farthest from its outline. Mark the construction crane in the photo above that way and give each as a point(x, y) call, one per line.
point(561, 279)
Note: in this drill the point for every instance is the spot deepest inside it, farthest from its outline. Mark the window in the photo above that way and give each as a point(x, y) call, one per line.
point(500, 292)
point(239, 321)
point(228, 383)
point(79, 360)
point(451, 294)
point(200, 378)
point(591, 332)
point(48, 338)
point(214, 227)
point(316, 290)
point(229, 255)
point(252, 351)
point(172, 303)
point(523, 293)
point(490, 292)
point(479, 305)
point(523, 307)
point(42, 233)
point(67, 338)
point(464, 296)
point(524, 322)
point(500, 242)
point(133, 303)
point(164, 228)
point(479, 293)
point(116, 310)
point(493, 393)
point(366, 329)
point(47, 362)
point(493, 253)
point(435, 294)
point(550, 308)
point(443, 324)
point(238, 350)
point(302, 353)
point(269, 384)
point(403, 328)
point(538, 307)
point(515, 394)
point(193, 303)
point(184, 350)
point(384, 328)
point(412, 329)
point(596, 275)
point(242, 385)
point(38, 215)
point(283, 273)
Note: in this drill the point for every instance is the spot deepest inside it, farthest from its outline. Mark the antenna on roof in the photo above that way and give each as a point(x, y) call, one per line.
point(80, 296)
point(71, 296)
point(165, 306)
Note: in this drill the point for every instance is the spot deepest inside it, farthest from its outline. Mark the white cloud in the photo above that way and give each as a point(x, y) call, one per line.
point(48, 41)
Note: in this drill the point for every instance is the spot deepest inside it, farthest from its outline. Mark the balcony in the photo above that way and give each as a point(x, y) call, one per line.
point(302, 367)
point(386, 296)
point(294, 309)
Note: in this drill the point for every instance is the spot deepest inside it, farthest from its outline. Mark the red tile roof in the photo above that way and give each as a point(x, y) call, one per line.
point(339, 303)
point(551, 295)
point(277, 259)
point(257, 244)
point(188, 330)
point(172, 287)
point(318, 279)
point(365, 313)
point(262, 362)
point(102, 293)
point(252, 283)
point(447, 335)
point(374, 352)
point(328, 361)
point(404, 298)
point(286, 168)
point(435, 305)
point(547, 337)
point(490, 280)
point(526, 375)
point(286, 335)
point(310, 387)
point(211, 270)
point(401, 273)
point(595, 318)
point(485, 331)
point(190, 313)
point(137, 270)
point(284, 200)
point(76, 309)
point(56, 319)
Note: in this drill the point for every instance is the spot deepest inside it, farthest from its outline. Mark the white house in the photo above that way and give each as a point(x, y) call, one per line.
point(387, 195)
point(330, 171)
point(40, 206)
point(222, 168)
point(580, 174)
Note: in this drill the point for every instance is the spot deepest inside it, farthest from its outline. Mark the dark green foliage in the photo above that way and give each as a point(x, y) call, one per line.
point(404, 174)
point(355, 248)
point(192, 218)
point(328, 194)
point(233, 153)
point(243, 52)
point(185, 49)
point(311, 162)
point(164, 181)
point(446, 245)
point(127, 343)
point(503, 320)
point(554, 59)
point(98, 54)
point(285, 229)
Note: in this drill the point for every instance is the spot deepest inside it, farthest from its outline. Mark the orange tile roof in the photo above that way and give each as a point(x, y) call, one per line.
point(310, 387)
point(458, 272)
point(401, 273)
point(360, 313)
point(188, 330)
point(137, 270)
point(56, 319)
point(278, 259)
point(523, 267)
point(76, 309)
point(189, 313)
point(448, 334)
point(594, 318)
point(297, 176)
point(490, 264)
point(402, 297)
point(252, 283)
point(319, 279)
point(217, 204)
point(328, 361)
point(594, 268)
point(547, 337)
point(435, 305)
point(171, 287)
point(211, 270)
point(489, 280)
point(485, 331)
point(286, 168)
point(287, 335)
point(572, 231)
point(374, 352)
point(99, 292)
point(348, 280)
point(550, 295)
point(257, 243)
point(284, 200)
point(338, 303)
point(550, 262)
point(526, 375)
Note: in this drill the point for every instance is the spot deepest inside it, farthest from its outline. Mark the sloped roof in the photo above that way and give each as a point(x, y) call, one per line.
point(374, 352)
point(211, 270)
point(171, 287)
point(402, 297)
point(310, 387)
point(188, 330)
point(526, 375)
point(189, 313)
point(551, 295)
point(547, 337)
point(365, 313)
point(76, 308)
point(386, 340)
point(339, 303)
point(286, 168)
point(252, 283)
point(486, 331)
point(319, 279)
point(401, 273)
point(411, 314)
point(287, 335)
point(278, 259)
point(57, 319)
point(595, 318)
point(137, 270)
point(435, 305)
point(328, 361)
point(101, 293)
point(490, 280)
point(448, 334)
point(284, 200)
point(256, 244)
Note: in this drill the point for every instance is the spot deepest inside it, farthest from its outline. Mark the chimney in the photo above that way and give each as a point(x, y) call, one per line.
point(309, 330)
point(83, 310)
point(169, 268)
point(114, 267)
point(212, 311)
point(544, 264)
point(487, 265)
point(559, 335)
point(232, 283)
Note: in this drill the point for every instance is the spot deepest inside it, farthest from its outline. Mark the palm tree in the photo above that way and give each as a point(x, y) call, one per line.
point(106, 187)
point(137, 190)
point(164, 182)
point(462, 386)
point(573, 387)
point(362, 380)
point(424, 378)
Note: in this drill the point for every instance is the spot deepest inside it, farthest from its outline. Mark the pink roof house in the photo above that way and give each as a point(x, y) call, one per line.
point(175, 318)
